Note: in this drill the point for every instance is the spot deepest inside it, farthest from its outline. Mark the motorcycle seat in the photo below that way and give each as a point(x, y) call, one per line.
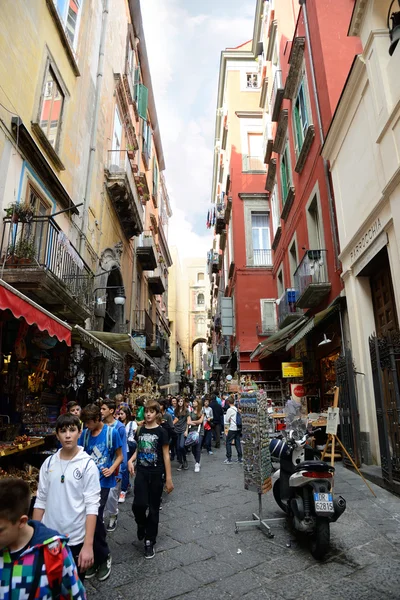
point(314, 465)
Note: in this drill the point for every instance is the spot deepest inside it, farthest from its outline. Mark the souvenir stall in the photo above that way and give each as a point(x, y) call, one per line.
point(34, 355)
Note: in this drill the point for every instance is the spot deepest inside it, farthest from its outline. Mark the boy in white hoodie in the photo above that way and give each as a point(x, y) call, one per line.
point(68, 495)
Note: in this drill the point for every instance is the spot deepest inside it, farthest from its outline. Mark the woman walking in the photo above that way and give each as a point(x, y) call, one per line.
point(208, 422)
point(181, 429)
point(196, 423)
point(125, 416)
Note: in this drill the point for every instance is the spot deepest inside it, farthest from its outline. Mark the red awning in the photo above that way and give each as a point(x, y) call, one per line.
point(22, 306)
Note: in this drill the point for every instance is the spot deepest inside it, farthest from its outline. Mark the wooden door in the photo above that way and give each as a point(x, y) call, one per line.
point(383, 298)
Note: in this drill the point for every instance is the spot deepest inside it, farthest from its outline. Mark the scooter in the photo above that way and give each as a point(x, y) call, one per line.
point(304, 490)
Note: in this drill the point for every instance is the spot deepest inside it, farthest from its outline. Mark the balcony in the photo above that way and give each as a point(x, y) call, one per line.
point(156, 281)
point(288, 312)
point(220, 222)
point(159, 344)
point(262, 258)
point(146, 252)
point(252, 164)
point(40, 261)
point(142, 327)
point(213, 261)
point(270, 181)
point(123, 192)
point(223, 354)
point(311, 279)
point(277, 95)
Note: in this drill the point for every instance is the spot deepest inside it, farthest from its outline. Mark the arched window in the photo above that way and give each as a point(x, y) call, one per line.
point(200, 299)
point(200, 276)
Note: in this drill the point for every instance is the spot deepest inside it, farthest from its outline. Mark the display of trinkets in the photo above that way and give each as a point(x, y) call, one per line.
point(255, 429)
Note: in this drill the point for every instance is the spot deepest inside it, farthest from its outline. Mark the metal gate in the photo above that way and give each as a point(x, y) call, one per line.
point(350, 423)
point(385, 361)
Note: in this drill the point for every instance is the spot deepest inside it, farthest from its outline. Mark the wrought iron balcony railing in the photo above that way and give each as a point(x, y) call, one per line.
point(253, 164)
point(311, 279)
point(287, 308)
point(40, 243)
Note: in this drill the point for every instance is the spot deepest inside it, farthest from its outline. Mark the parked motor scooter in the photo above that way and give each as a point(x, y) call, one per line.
point(304, 490)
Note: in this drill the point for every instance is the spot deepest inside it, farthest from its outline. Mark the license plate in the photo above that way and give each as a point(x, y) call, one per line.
point(323, 503)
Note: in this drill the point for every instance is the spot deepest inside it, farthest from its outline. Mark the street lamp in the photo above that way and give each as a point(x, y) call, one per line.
point(119, 298)
point(394, 31)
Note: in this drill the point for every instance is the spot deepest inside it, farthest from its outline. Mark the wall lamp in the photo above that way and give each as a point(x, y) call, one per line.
point(394, 31)
point(120, 297)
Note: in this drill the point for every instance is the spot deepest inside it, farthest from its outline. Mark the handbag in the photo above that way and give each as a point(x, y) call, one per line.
point(193, 437)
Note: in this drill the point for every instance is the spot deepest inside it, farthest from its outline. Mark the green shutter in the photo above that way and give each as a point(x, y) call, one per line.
point(298, 129)
point(284, 182)
point(142, 100)
point(155, 176)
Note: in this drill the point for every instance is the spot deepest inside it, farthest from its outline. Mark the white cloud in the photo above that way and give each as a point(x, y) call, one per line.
point(184, 40)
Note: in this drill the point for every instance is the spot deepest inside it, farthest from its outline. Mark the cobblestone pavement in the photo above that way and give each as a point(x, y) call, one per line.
point(197, 550)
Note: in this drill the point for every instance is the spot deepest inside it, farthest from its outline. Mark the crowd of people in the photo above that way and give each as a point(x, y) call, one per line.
point(102, 447)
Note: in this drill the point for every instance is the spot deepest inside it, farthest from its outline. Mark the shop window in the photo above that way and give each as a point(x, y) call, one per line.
point(51, 108)
point(286, 173)
point(268, 316)
point(261, 238)
point(301, 119)
point(70, 12)
point(200, 299)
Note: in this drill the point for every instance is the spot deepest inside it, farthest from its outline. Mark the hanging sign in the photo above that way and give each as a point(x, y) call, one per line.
point(140, 340)
point(297, 391)
point(292, 369)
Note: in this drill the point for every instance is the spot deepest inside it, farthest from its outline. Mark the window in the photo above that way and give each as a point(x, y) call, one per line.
point(70, 12)
point(252, 81)
point(51, 108)
point(276, 218)
point(200, 299)
point(261, 239)
point(280, 283)
point(293, 262)
point(117, 132)
point(314, 225)
point(268, 316)
point(155, 177)
point(286, 173)
point(200, 276)
point(38, 230)
point(300, 118)
point(146, 135)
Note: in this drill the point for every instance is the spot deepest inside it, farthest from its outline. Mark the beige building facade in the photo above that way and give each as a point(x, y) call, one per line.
point(363, 147)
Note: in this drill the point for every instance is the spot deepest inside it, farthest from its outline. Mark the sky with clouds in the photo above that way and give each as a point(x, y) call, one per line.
point(184, 40)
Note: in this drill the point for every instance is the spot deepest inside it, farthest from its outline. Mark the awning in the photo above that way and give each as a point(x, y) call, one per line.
point(277, 340)
point(313, 322)
point(123, 342)
point(22, 306)
point(89, 340)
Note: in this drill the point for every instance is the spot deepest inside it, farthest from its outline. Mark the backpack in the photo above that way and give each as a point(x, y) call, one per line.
point(108, 441)
point(239, 421)
point(131, 442)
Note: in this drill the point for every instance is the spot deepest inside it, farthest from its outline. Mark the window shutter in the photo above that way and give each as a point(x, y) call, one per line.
point(268, 315)
point(284, 179)
point(298, 129)
point(142, 100)
point(155, 176)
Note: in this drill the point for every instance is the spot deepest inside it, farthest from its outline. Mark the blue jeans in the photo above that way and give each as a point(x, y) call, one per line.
point(196, 450)
point(207, 439)
point(180, 448)
point(125, 473)
point(233, 435)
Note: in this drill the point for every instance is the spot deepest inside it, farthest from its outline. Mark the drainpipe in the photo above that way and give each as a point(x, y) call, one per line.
point(331, 202)
point(93, 133)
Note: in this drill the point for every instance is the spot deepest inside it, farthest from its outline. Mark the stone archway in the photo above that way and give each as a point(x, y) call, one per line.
point(196, 341)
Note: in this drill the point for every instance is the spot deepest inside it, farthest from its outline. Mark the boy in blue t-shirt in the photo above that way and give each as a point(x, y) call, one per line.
point(107, 409)
point(104, 445)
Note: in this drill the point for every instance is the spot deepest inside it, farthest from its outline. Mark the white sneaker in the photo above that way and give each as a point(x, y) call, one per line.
point(197, 468)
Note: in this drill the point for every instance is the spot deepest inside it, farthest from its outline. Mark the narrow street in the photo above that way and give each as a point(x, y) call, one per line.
point(198, 552)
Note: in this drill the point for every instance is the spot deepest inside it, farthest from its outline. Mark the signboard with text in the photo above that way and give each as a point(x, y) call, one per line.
point(140, 340)
point(292, 369)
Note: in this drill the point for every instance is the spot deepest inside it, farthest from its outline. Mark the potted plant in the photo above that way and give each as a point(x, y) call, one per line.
point(18, 211)
point(22, 252)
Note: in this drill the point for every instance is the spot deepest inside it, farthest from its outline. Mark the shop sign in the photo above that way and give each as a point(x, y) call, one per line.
point(140, 340)
point(292, 369)
point(365, 240)
point(297, 391)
